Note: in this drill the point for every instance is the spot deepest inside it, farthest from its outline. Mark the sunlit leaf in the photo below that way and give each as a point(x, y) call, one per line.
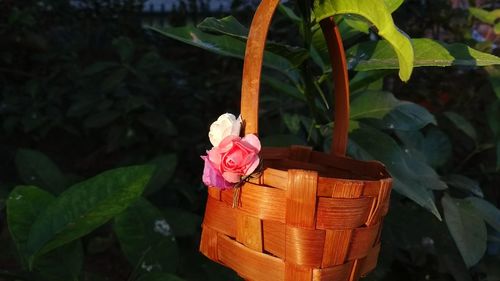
point(484, 15)
point(380, 55)
point(380, 16)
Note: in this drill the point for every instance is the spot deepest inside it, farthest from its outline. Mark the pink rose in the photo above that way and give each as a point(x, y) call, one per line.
point(212, 176)
point(232, 159)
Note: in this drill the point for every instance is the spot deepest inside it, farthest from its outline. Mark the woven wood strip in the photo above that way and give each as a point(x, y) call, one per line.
point(263, 202)
point(273, 177)
point(208, 244)
point(341, 213)
point(250, 264)
point(339, 188)
point(301, 198)
point(220, 216)
point(335, 273)
point(304, 246)
point(274, 238)
point(363, 240)
point(214, 192)
point(297, 272)
point(355, 273)
point(249, 231)
point(336, 247)
point(370, 262)
point(381, 203)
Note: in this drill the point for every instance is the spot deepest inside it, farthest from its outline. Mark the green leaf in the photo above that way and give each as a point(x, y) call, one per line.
point(183, 223)
point(292, 122)
point(62, 264)
point(146, 238)
point(436, 146)
point(372, 104)
point(408, 116)
point(289, 13)
point(411, 177)
point(462, 124)
point(86, 206)
point(226, 46)
point(380, 55)
point(164, 170)
point(158, 276)
point(36, 168)
point(227, 25)
point(24, 206)
point(464, 183)
point(485, 16)
point(380, 16)
point(488, 211)
point(393, 5)
point(283, 87)
point(363, 80)
point(358, 23)
point(466, 227)
point(232, 27)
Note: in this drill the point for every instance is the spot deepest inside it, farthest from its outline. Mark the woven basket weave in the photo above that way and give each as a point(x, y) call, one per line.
point(310, 215)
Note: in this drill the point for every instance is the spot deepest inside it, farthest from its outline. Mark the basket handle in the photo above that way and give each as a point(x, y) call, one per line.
point(252, 72)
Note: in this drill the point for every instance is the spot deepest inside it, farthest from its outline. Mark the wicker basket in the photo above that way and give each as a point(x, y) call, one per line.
point(310, 215)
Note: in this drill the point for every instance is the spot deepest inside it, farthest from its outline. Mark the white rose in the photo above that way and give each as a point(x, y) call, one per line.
point(226, 125)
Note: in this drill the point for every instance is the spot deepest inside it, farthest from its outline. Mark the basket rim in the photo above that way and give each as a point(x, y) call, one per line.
point(278, 160)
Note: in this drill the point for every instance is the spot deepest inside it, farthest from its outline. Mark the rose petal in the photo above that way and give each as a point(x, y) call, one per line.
point(227, 143)
point(212, 177)
point(253, 140)
point(253, 165)
point(215, 156)
point(231, 177)
point(225, 125)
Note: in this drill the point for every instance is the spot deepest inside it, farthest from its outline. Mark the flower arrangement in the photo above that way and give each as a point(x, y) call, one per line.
point(232, 159)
